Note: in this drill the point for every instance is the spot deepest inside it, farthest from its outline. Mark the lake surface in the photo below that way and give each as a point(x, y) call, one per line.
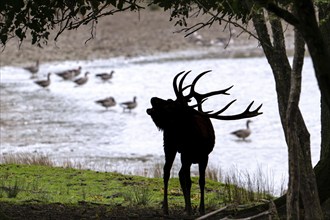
point(64, 123)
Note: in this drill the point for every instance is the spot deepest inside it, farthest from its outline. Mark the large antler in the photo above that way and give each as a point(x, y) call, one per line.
point(200, 98)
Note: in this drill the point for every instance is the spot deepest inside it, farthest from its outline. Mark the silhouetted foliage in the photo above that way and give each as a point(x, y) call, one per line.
point(37, 18)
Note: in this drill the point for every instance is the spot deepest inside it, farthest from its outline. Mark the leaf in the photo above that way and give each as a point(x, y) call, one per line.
point(83, 10)
point(95, 4)
point(120, 4)
point(34, 37)
point(3, 39)
point(18, 33)
point(112, 2)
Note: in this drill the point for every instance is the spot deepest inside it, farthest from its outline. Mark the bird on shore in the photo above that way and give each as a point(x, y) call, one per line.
point(129, 105)
point(107, 102)
point(243, 133)
point(82, 80)
point(196, 38)
point(69, 74)
point(33, 69)
point(44, 83)
point(105, 76)
point(76, 72)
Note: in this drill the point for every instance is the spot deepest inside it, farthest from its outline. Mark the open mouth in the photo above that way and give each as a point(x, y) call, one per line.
point(153, 102)
point(149, 111)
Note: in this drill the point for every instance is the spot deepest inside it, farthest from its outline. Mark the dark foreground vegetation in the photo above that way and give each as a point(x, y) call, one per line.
point(35, 210)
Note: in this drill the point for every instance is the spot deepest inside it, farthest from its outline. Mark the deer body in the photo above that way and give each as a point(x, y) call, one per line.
point(185, 126)
point(189, 132)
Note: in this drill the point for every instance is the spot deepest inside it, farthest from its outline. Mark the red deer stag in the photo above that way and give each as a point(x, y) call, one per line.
point(189, 132)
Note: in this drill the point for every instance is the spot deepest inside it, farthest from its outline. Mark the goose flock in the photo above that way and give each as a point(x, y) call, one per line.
point(108, 102)
point(73, 75)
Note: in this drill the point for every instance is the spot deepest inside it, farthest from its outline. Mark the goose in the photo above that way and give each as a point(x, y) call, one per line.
point(82, 80)
point(33, 69)
point(76, 72)
point(243, 133)
point(107, 102)
point(105, 76)
point(222, 41)
point(129, 105)
point(44, 83)
point(69, 74)
point(66, 75)
point(196, 38)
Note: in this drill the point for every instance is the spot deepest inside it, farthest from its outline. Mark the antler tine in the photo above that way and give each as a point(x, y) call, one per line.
point(257, 109)
point(199, 105)
point(176, 91)
point(181, 81)
point(222, 92)
point(202, 97)
point(197, 78)
point(245, 114)
point(220, 111)
point(199, 97)
point(192, 93)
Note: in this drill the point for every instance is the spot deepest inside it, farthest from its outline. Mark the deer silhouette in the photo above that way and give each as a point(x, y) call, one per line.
point(189, 131)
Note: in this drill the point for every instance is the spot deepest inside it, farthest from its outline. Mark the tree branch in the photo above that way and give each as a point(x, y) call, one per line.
point(215, 17)
point(280, 12)
point(228, 21)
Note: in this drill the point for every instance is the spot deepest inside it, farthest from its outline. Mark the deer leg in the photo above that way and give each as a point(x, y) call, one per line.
point(169, 158)
point(202, 167)
point(185, 182)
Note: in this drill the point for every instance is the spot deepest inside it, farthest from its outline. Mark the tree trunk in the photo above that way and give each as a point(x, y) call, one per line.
point(311, 32)
point(324, 9)
point(292, 202)
point(317, 39)
point(296, 133)
point(308, 186)
point(322, 169)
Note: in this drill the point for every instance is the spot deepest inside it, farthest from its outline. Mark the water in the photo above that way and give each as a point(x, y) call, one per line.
point(65, 123)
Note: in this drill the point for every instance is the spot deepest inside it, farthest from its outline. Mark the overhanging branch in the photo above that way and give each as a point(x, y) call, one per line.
point(280, 12)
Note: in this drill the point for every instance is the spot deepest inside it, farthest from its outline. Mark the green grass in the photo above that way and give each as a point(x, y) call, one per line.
point(44, 184)
point(36, 186)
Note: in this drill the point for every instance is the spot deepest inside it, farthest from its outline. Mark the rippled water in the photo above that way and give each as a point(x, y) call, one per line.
point(65, 123)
